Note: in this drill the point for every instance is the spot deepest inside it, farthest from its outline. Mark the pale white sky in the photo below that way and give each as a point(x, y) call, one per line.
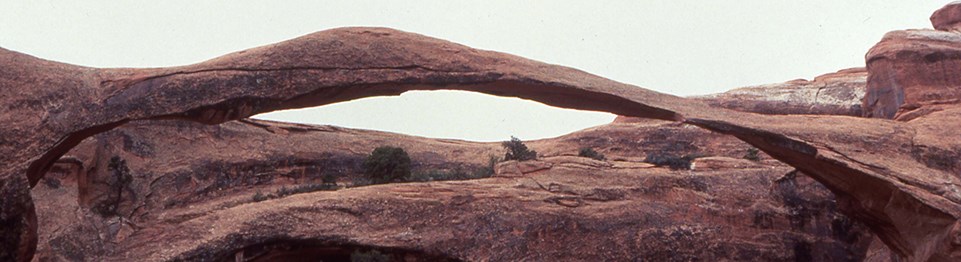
point(680, 47)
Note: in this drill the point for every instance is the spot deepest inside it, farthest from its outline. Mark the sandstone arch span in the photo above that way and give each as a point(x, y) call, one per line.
point(870, 164)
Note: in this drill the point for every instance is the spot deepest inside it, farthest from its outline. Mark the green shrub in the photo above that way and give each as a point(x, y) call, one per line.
point(456, 174)
point(51, 182)
point(304, 188)
point(329, 179)
point(590, 153)
point(752, 154)
point(516, 150)
point(386, 164)
point(488, 170)
point(119, 181)
point(444, 175)
point(260, 197)
point(671, 161)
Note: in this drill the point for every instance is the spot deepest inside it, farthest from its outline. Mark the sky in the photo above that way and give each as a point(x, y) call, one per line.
point(678, 47)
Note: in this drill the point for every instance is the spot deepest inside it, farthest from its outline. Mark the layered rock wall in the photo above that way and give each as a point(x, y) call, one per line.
point(912, 71)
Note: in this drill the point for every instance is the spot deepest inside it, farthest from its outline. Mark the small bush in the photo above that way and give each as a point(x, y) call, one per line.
point(386, 164)
point(752, 154)
point(304, 188)
point(260, 197)
point(51, 182)
point(516, 150)
point(120, 180)
point(590, 153)
point(488, 170)
point(671, 161)
point(443, 175)
point(329, 179)
point(456, 174)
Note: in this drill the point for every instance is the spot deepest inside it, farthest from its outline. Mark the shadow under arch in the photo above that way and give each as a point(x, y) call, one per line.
point(319, 250)
point(345, 64)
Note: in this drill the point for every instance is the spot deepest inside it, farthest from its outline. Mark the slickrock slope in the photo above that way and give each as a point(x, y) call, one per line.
point(884, 173)
point(198, 205)
point(836, 93)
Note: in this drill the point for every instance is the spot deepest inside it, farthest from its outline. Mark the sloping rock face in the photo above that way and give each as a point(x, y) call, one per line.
point(890, 175)
point(838, 93)
point(199, 205)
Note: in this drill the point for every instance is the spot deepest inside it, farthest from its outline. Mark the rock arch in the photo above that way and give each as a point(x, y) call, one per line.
point(51, 106)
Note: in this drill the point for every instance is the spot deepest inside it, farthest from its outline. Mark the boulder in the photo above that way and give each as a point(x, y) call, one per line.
point(948, 18)
point(911, 73)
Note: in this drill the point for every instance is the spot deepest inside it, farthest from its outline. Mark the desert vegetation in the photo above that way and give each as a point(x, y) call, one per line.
point(455, 174)
point(118, 182)
point(590, 153)
point(671, 161)
point(517, 150)
point(387, 164)
point(752, 154)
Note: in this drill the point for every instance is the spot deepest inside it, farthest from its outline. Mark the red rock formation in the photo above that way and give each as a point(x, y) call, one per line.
point(910, 201)
point(912, 73)
point(836, 93)
point(564, 207)
point(948, 18)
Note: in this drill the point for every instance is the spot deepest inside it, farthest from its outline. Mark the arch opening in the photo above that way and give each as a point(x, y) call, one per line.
point(448, 114)
point(552, 94)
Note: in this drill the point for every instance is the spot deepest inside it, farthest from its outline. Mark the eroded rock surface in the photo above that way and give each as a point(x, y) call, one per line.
point(836, 93)
point(200, 205)
point(912, 73)
point(877, 168)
